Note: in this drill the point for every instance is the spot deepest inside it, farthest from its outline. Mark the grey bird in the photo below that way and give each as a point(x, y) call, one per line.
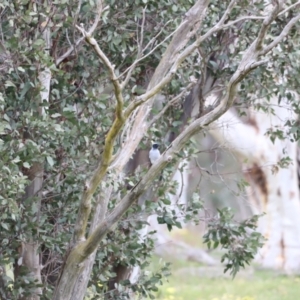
point(154, 153)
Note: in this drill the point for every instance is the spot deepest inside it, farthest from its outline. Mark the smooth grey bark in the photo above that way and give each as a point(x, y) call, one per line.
point(28, 253)
point(84, 273)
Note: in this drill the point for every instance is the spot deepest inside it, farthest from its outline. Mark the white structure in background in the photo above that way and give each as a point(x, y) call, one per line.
point(273, 190)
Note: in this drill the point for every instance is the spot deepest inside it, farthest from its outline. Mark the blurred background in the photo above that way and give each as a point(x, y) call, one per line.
point(219, 176)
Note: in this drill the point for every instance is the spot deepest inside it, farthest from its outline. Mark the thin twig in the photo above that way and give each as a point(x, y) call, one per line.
point(145, 56)
point(283, 34)
point(140, 43)
point(110, 67)
point(185, 53)
point(266, 24)
point(90, 32)
point(139, 54)
point(146, 47)
point(170, 103)
point(289, 8)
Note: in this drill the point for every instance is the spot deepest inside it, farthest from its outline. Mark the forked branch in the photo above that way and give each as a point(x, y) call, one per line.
point(99, 11)
point(249, 61)
point(91, 186)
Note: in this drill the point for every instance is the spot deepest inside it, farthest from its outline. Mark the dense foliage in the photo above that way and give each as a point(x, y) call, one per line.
point(68, 137)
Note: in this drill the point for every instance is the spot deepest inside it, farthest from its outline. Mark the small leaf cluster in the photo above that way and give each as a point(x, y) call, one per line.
point(239, 239)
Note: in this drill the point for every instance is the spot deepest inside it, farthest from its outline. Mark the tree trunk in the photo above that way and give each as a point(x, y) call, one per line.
point(274, 190)
point(84, 269)
point(28, 251)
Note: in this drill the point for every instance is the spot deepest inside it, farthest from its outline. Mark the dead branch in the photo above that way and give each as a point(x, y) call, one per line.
point(99, 12)
point(139, 54)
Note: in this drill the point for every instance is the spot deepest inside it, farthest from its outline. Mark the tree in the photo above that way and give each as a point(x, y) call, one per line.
point(79, 87)
point(269, 152)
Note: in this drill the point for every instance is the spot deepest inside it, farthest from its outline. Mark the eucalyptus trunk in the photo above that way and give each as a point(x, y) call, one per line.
point(274, 186)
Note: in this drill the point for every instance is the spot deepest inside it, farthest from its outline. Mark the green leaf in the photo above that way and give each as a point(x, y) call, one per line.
point(216, 244)
point(50, 161)
point(9, 83)
point(5, 226)
point(58, 128)
point(209, 244)
point(39, 42)
point(26, 165)
point(56, 115)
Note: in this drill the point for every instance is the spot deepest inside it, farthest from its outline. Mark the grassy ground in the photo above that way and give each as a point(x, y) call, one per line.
point(192, 282)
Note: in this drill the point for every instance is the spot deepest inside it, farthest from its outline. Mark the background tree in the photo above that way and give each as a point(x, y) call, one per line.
point(74, 113)
point(269, 151)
